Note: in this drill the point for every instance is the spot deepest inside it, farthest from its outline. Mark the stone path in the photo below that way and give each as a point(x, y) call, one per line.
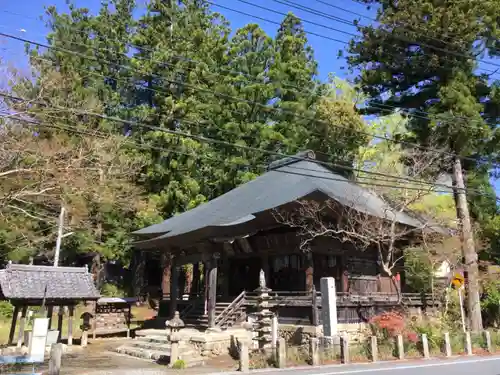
point(99, 359)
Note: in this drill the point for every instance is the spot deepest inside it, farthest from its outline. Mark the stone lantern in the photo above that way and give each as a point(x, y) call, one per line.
point(175, 325)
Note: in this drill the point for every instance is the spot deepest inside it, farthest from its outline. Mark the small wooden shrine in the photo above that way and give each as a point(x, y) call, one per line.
point(28, 285)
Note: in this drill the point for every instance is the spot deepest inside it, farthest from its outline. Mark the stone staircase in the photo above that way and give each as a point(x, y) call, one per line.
point(156, 347)
point(196, 316)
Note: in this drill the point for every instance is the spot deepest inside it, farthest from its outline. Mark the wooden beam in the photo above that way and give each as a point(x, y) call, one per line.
point(20, 336)
point(245, 245)
point(228, 248)
point(212, 292)
point(13, 324)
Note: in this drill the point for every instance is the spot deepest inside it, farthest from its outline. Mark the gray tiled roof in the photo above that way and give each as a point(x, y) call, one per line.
point(21, 281)
point(285, 181)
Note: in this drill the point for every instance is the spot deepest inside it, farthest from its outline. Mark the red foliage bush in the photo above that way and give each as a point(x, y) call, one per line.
point(390, 322)
point(412, 337)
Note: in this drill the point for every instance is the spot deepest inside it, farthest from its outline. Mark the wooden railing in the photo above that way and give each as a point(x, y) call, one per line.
point(231, 310)
point(288, 298)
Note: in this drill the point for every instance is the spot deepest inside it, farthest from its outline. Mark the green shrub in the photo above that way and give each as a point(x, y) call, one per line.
point(6, 309)
point(179, 365)
point(111, 290)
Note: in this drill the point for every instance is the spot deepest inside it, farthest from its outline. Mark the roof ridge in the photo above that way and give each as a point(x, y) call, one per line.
point(300, 156)
point(29, 267)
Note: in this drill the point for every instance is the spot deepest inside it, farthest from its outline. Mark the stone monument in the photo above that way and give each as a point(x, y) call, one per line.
point(264, 315)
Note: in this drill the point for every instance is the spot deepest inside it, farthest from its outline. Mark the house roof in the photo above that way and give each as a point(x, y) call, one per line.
point(27, 282)
point(286, 181)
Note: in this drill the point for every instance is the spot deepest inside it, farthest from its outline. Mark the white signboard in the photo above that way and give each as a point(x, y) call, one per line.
point(39, 338)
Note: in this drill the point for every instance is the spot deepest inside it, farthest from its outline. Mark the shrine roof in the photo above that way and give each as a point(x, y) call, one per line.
point(285, 181)
point(28, 282)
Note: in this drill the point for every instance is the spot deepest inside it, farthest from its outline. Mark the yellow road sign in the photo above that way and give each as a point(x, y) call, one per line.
point(458, 280)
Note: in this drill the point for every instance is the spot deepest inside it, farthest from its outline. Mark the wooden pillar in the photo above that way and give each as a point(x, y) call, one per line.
point(225, 274)
point(13, 324)
point(60, 317)
point(174, 287)
point(195, 290)
point(309, 272)
point(70, 325)
point(20, 336)
point(166, 264)
point(50, 312)
point(212, 292)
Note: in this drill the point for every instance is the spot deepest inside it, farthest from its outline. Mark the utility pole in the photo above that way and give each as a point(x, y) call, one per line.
point(468, 248)
point(60, 236)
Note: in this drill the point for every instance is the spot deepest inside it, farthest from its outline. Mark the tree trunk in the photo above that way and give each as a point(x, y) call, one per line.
point(468, 248)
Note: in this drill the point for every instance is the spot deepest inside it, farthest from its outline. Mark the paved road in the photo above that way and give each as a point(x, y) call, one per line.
point(459, 366)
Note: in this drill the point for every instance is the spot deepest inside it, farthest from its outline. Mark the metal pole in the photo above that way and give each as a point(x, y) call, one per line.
point(59, 236)
point(461, 307)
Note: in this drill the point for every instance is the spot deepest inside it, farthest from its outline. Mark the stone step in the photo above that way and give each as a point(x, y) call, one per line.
point(155, 346)
point(190, 358)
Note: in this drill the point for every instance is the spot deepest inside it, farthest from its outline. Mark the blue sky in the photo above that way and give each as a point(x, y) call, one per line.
point(21, 18)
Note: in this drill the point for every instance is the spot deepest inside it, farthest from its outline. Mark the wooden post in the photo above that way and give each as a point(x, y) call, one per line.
point(425, 346)
point(94, 321)
point(447, 345)
point(174, 287)
point(281, 353)
point(129, 319)
point(244, 365)
point(55, 359)
point(196, 279)
point(60, 317)
point(70, 325)
point(400, 347)
point(13, 324)
point(468, 343)
point(374, 348)
point(166, 264)
point(315, 312)
point(20, 336)
point(487, 339)
point(314, 351)
point(50, 312)
point(212, 292)
point(344, 349)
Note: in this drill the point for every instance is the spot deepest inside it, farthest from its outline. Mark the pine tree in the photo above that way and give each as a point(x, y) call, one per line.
point(421, 57)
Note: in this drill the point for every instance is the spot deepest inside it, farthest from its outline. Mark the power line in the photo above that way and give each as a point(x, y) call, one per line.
point(264, 106)
point(141, 145)
point(380, 106)
point(335, 18)
point(230, 144)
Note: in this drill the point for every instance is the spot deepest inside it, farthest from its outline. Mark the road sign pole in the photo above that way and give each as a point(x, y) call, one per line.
point(462, 313)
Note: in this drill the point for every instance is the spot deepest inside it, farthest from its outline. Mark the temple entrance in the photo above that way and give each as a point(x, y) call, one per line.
point(245, 275)
point(287, 273)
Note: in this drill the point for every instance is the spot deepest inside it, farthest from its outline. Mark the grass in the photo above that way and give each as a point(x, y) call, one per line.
point(139, 314)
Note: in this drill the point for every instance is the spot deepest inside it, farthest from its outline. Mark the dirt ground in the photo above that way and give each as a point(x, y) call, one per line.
point(99, 359)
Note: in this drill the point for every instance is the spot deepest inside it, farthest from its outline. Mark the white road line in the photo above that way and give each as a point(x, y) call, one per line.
point(409, 367)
